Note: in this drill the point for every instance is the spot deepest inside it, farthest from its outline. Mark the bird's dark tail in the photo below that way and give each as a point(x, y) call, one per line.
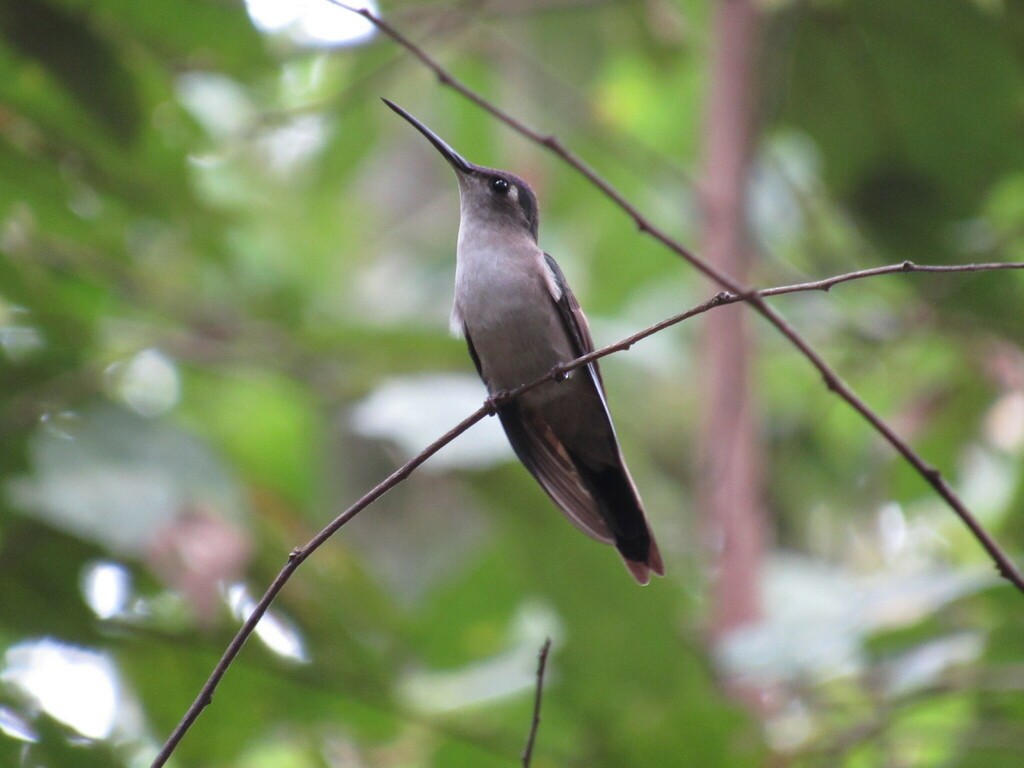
point(616, 495)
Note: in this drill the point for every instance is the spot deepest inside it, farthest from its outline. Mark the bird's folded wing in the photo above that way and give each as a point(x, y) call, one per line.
point(547, 460)
point(573, 319)
point(543, 454)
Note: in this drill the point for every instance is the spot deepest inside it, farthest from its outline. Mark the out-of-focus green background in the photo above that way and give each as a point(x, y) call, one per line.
point(225, 275)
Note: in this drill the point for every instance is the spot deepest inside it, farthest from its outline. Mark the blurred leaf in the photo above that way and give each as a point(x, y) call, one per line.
point(873, 87)
point(119, 480)
point(266, 424)
point(81, 61)
point(43, 568)
point(58, 746)
point(190, 33)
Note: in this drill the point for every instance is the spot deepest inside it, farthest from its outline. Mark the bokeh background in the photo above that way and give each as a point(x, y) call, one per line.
point(225, 275)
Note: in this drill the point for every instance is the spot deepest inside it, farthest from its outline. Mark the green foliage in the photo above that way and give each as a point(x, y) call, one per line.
point(216, 244)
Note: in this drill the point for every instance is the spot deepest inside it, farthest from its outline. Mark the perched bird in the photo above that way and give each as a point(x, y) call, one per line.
point(520, 320)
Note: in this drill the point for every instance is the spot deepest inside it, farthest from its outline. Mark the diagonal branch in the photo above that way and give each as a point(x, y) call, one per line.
point(300, 554)
point(724, 298)
point(295, 559)
point(832, 379)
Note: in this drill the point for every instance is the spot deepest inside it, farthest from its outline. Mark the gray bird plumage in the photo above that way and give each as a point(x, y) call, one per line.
point(520, 319)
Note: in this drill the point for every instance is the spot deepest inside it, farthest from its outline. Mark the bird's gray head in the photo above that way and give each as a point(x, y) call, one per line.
point(492, 197)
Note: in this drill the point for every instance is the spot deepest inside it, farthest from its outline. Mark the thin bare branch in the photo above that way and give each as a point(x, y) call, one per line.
point(724, 298)
point(295, 559)
point(299, 554)
point(538, 695)
point(832, 380)
point(904, 266)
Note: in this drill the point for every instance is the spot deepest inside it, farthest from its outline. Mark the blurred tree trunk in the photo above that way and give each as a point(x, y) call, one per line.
point(729, 490)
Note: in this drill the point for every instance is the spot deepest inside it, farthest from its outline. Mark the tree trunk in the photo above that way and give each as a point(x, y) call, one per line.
point(729, 490)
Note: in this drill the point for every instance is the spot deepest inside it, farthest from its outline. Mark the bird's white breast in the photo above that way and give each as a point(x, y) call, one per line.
point(504, 295)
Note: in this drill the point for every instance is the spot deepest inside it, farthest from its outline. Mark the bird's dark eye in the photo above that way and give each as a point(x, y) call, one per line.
point(499, 186)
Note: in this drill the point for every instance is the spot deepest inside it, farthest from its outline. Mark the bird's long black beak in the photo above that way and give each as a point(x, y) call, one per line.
point(457, 161)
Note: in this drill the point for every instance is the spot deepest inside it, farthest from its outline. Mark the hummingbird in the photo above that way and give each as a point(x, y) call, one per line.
point(520, 319)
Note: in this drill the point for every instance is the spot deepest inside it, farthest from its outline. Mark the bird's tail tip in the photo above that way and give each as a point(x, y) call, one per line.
point(642, 570)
